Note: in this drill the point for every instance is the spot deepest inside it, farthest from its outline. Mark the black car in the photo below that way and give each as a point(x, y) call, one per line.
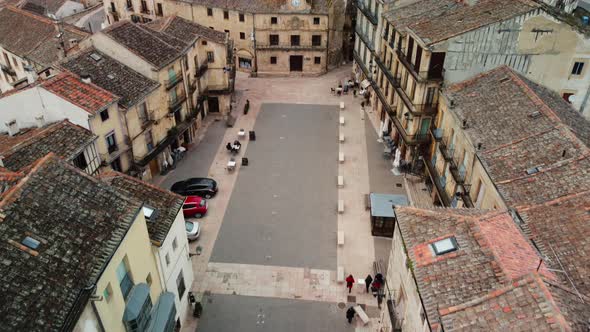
point(203, 187)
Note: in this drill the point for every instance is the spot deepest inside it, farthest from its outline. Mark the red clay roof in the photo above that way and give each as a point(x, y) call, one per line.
point(88, 96)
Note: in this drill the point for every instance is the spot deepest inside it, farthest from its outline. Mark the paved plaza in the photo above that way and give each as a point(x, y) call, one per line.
point(269, 240)
point(282, 209)
point(258, 314)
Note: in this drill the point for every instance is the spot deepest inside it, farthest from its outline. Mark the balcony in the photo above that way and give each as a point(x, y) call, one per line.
point(172, 82)
point(202, 69)
point(367, 12)
point(175, 104)
point(192, 87)
point(387, 72)
point(420, 76)
point(439, 182)
point(173, 133)
point(146, 11)
point(436, 133)
point(410, 139)
point(366, 41)
point(8, 70)
point(445, 150)
point(289, 46)
point(361, 64)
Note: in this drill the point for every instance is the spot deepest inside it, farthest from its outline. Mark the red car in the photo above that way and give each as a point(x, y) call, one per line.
point(194, 206)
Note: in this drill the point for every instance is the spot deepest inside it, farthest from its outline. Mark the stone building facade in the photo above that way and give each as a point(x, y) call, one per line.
point(307, 39)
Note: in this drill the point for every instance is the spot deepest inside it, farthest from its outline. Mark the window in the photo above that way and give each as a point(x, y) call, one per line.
point(273, 39)
point(226, 31)
point(242, 35)
point(317, 60)
point(180, 285)
point(129, 5)
point(107, 293)
point(316, 20)
point(578, 68)
point(149, 141)
point(31, 243)
point(116, 165)
point(124, 277)
point(148, 279)
point(210, 57)
point(174, 244)
point(149, 212)
point(241, 17)
point(204, 42)
point(210, 12)
point(273, 60)
point(80, 161)
point(167, 259)
point(104, 115)
point(111, 142)
point(274, 20)
point(568, 96)
point(159, 11)
point(445, 246)
point(295, 40)
point(225, 15)
point(142, 112)
point(316, 40)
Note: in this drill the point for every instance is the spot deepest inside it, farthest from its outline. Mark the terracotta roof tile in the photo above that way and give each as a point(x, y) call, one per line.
point(186, 30)
point(261, 6)
point(166, 203)
point(79, 222)
point(87, 96)
point(437, 20)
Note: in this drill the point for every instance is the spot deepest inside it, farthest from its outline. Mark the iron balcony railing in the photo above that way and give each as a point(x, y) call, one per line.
point(174, 104)
point(289, 46)
point(437, 133)
point(438, 181)
point(172, 82)
point(421, 76)
point(365, 39)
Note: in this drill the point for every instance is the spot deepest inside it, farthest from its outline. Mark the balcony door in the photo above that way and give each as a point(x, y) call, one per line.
point(424, 125)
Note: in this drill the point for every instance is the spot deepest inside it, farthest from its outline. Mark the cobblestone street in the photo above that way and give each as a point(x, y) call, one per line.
point(268, 235)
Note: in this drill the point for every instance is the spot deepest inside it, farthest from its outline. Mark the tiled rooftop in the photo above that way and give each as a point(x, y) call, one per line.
point(63, 138)
point(186, 30)
point(166, 203)
point(48, 6)
point(79, 222)
point(33, 36)
point(260, 6)
point(112, 76)
point(156, 48)
point(491, 271)
point(87, 96)
point(480, 265)
point(438, 20)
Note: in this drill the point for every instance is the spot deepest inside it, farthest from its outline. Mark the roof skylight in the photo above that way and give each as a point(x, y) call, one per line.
point(31, 243)
point(445, 246)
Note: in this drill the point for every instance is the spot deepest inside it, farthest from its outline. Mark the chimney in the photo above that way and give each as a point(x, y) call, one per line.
point(86, 78)
point(31, 74)
point(40, 120)
point(12, 127)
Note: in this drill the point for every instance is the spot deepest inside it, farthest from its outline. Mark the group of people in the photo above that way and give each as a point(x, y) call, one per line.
point(235, 147)
point(343, 88)
point(374, 284)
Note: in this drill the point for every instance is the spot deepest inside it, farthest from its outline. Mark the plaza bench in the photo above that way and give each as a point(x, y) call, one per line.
point(340, 274)
point(342, 121)
point(342, 106)
point(340, 181)
point(367, 202)
point(362, 314)
point(341, 157)
point(340, 206)
point(340, 238)
point(341, 138)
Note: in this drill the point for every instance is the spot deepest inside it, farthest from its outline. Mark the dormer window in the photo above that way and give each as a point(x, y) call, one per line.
point(31, 243)
point(149, 212)
point(445, 246)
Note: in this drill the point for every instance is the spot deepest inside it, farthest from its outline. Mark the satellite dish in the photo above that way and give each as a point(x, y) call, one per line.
point(571, 98)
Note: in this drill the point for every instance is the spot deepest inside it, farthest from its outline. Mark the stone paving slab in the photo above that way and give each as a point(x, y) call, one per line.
point(259, 314)
point(282, 210)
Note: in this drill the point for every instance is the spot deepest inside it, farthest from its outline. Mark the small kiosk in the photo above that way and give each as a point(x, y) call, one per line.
point(382, 215)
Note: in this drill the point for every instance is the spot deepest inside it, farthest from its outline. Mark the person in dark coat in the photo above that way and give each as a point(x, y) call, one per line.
point(349, 282)
point(368, 282)
point(350, 314)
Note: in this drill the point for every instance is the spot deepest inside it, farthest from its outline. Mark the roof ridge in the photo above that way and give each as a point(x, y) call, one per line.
point(114, 174)
point(65, 25)
point(67, 74)
point(50, 128)
point(151, 32)
point(553, 166)
point(526, 208)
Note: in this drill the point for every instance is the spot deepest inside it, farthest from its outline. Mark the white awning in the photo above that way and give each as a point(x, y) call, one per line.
point(365, 84)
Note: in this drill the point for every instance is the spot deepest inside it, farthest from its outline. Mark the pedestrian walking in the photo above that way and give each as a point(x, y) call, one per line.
point(350, 314)
point(349, 282)
point(368, 282)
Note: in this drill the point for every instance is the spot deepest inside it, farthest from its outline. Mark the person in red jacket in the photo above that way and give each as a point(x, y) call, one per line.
point(349, 282)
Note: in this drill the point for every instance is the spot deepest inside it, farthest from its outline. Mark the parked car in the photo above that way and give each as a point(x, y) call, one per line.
point(193, 229)
point(194, 206)
point(203, 187)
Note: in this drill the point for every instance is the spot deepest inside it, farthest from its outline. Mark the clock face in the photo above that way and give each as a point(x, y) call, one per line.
point(295, 3)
